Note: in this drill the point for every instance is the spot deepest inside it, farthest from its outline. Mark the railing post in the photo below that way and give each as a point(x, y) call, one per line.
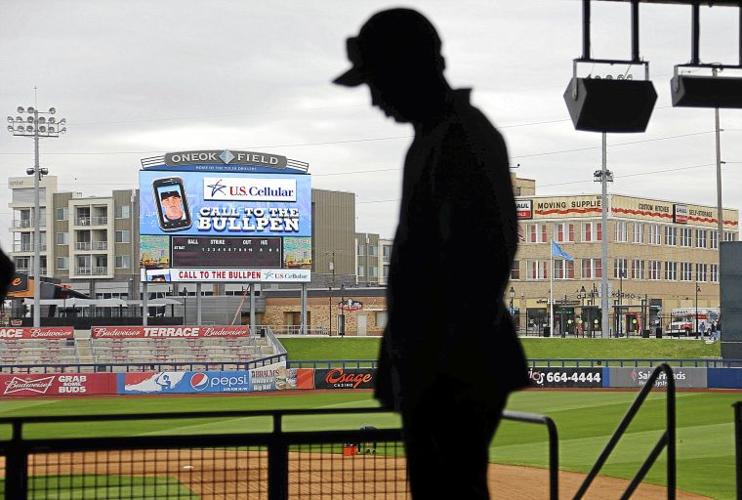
point(16, 466)
point(738, 442)
point(278, 463)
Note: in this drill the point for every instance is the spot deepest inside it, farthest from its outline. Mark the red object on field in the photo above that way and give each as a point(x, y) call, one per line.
point(57, 384)
point(349, 450)
point(163, 332)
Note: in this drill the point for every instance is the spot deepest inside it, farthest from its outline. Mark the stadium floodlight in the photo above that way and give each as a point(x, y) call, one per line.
point(35, 126)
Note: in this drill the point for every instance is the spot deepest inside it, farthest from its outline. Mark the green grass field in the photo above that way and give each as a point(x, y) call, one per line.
point(301, 349)
point(585, 421)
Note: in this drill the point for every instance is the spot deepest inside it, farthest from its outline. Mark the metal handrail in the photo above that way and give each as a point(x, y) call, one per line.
point(738, 445)
point(666, 440)
point(553, 444)
point(18, 448)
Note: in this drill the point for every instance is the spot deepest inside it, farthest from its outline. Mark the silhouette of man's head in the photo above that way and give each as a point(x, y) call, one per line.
point(397, 53)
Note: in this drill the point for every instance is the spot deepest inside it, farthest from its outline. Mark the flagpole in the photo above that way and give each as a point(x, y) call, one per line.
point(551, 290)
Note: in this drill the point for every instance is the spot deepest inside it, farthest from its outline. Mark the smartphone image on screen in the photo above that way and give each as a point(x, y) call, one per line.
point(172, 205)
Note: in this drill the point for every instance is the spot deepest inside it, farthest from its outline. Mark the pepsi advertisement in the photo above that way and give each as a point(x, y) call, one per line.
point(225, 204)
point(183, 382)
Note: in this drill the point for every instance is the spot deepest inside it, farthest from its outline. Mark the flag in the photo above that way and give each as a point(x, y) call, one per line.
point(558, 251)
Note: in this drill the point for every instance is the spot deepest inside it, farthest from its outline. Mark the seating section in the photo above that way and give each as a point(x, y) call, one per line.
point(38, 352)
point(169, 350)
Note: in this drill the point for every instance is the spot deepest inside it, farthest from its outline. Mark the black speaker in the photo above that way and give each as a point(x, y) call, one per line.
point(706, 91)
point(602, 105)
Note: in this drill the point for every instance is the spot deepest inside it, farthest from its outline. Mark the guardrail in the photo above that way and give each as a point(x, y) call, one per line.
point(354, 363)
point(234, 463)
point(667, 440)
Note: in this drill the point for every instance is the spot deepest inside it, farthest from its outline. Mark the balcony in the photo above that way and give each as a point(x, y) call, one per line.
point(27, 247)
point(99, 221)
point(100, 245)
point(21, 224)
point(83, 270)
point(100, 270)
point(83, 245)
point(82, 221)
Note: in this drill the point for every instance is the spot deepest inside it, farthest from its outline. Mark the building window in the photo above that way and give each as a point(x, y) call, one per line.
point(63, 238)
point(670, 235)
point(386, 252)
point(63, 213)
point(123, 236)
point(123, 262)
point(361, 250)
point(619, 268)
point(671, 271)
point(686, 273)
point(361, 270)
point(638, 232)
point(537, 269)
point(515, 270)
point(730, 236)
point(654, 234)
point(700, 238)
point(591, 268)
point(685, 236)
point(122, 212)
point(713, 240)
point(537, 233)
point(654, 267)
point(380, 319)
point(564, 269)
point(62, 263)
point(592, 231)
point(701, 272)
point(565, 232)
point(714, 272)
point(637, 269)
point(621, 231)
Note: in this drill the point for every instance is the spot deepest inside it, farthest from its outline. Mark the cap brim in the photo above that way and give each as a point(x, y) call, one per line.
point(351, 78)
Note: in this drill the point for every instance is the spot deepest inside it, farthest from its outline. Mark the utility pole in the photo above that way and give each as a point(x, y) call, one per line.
point(604, 176)
point(719, 209)
point(37, 127)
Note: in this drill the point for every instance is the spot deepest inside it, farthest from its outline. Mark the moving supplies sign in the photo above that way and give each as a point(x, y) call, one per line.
point(57, 384)
point(142, 332)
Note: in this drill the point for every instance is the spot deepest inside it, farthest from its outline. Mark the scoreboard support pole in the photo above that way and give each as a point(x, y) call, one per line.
point(145, 306)
point(198, 303)
point(252, 307)
point(303, 327)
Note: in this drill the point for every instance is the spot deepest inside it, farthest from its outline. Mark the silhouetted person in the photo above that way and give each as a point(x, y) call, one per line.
point(450, 355)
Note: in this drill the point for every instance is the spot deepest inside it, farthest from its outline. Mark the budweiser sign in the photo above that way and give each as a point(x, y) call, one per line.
point(55, 333)
point(141, 332)
point(30, 384)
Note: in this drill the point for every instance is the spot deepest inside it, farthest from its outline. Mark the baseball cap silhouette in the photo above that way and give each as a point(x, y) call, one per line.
point(391, 40)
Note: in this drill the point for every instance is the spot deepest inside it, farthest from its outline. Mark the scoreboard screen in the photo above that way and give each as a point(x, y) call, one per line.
point(194, 251)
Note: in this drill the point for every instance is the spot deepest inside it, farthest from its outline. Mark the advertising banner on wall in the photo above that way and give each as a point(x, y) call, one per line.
point(49, 333)
point(344, 378)
point(689, 378)
point(143, 332)
point(229, 275)
point(57, 384)
point(183, 382)
point(566, 377)
point(276, 377)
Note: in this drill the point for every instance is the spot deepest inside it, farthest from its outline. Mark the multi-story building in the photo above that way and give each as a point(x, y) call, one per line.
point(89, 243)
point(662, 255)
point(368, 263)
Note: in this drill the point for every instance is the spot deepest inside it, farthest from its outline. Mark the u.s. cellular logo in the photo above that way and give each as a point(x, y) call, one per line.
point(247, 189)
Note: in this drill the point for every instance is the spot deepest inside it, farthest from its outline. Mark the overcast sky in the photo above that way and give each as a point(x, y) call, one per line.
point(137, 79)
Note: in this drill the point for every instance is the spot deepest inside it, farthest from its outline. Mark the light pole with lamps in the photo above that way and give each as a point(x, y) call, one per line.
point(329, 286)
point(582, 295)
point(36, 125)
point(511, 294)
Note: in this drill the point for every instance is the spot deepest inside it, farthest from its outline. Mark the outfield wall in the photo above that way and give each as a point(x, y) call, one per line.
point(276, 377)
